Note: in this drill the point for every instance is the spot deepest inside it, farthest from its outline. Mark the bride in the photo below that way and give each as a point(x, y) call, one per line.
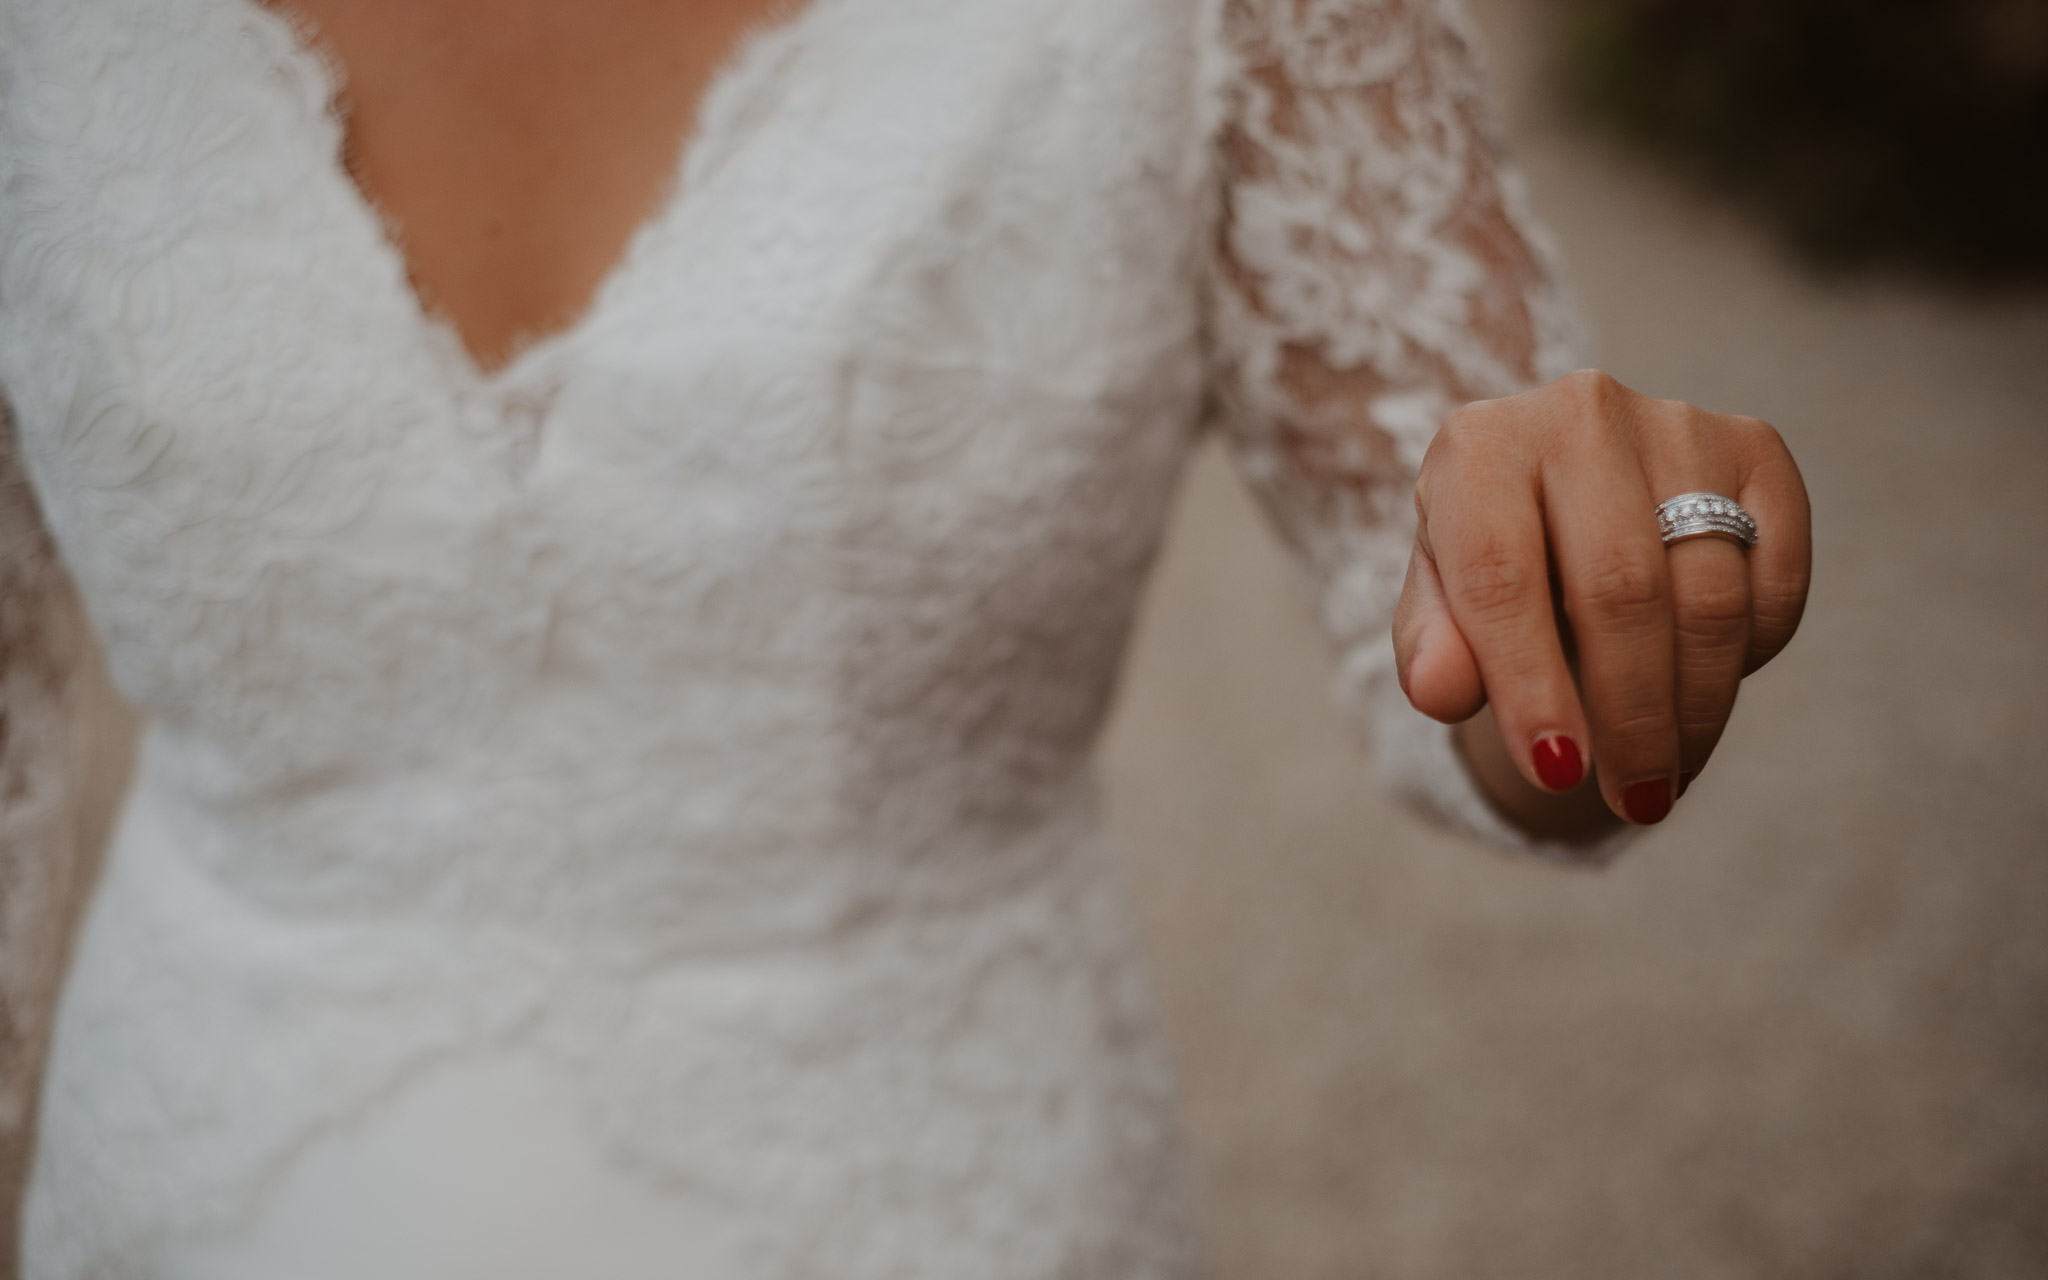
point(621, 519)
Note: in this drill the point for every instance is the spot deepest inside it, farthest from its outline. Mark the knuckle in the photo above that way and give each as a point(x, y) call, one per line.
point(1627, 591)
point(1678, 433)
point(1758, 433)
point(1700, 641)
point(1591, 383)
point(1643, 729)
point(1595, 393)
point(1780, 609)
point(1706, 692)
point(1769, 635)
point(1447, 451)
point(1695, 425)
point(1460, 420)
point(1713, 610)
point(1707, 688)
point(1492, 581)
point(1763, 447)
point(1702, 433)
point(1679, 416)
point(1465, 428)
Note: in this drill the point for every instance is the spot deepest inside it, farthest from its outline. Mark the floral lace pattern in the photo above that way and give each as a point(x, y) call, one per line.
point(1377, 266)
point(703, 704)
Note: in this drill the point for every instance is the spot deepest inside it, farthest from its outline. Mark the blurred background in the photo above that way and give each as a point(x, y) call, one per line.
point(1802, 1030)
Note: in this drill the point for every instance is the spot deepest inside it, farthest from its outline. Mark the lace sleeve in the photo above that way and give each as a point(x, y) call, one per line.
point(43, 742)
point(1374, 266)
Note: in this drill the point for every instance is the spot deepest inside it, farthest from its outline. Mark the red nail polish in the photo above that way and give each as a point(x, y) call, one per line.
point(1646, 803)
point(1558, 765)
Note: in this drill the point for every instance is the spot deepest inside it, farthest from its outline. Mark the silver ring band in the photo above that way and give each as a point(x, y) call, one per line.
point(1691, 514)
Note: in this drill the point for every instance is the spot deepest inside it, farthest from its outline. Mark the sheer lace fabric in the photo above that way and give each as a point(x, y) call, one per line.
point(698, 710)
point(1376, 267)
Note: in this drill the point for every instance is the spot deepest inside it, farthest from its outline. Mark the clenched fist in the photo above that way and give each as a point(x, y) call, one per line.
point(1541, 587)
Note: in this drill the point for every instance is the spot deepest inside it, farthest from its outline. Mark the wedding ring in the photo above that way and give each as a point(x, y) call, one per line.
point(1691, 514)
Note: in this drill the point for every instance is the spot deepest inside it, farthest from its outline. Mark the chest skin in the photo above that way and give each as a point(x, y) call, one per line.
point(515, 154)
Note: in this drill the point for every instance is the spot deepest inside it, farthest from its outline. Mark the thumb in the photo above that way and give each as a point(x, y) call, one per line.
point(1436, 666)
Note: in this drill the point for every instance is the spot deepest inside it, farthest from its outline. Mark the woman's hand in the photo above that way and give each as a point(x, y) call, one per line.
point(1538, 556)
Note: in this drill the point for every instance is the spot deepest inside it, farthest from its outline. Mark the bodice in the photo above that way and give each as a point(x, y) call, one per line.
point(812, 542)
point(704, 699)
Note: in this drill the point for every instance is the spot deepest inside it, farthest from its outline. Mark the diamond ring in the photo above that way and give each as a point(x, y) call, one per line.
point(1691, 514)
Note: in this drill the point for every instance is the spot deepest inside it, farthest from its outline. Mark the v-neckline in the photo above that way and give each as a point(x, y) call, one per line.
point(301, 46)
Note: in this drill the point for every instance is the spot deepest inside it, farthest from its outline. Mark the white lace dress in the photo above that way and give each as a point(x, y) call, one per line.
point(628, 814)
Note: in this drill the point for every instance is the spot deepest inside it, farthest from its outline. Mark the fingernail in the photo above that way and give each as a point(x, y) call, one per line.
point(1646, 803)
point(1684, 781)
point(1558, 764)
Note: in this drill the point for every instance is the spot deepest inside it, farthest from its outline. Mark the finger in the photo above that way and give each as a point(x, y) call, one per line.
point(1484, 529)
point(1436, 666)
point(1710, 622)
point(1616, 584)
point(1781, 562)
point(1686, 450)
